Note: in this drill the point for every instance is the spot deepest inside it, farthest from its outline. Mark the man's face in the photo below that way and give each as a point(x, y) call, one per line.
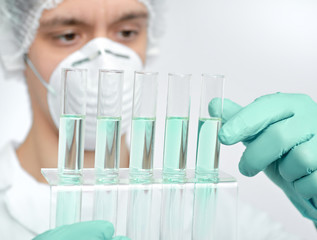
point(72, 24)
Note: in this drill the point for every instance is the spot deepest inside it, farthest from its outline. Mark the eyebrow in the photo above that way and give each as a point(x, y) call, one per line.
point(58, 21)
point(72, 21)
point(132, 15)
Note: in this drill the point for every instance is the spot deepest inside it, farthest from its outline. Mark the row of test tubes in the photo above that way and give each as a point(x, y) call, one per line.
point(107, 152)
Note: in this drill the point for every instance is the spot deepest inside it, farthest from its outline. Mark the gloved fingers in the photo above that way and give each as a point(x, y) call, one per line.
point(307, 186)
point(229, 109)
point(255, 117)
point(99, 230)
point(300, 161)
point(272, 144)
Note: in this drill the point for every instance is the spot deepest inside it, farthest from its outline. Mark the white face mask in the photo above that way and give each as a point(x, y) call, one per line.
point(99, 53)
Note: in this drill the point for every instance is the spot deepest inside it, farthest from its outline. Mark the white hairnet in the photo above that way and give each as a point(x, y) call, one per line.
point(19, 21)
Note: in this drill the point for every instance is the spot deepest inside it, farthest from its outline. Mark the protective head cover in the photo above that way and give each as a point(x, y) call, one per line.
point(99, 53)
point(19, 21)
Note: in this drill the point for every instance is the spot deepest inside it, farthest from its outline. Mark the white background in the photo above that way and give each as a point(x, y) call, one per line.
point(262, 46)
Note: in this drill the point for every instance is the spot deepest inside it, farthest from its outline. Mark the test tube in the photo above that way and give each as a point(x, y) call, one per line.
point(175, 156)
point(143, 126)
point(72, 122)
point(71, 145)
point(208, 146)
point(176, 127)
point(107, 155)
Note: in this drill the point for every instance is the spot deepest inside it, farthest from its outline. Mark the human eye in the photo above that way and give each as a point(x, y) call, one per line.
point(127, 34)
point(66, 39)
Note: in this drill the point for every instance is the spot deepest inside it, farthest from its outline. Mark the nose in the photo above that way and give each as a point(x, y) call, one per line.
point(101, 32)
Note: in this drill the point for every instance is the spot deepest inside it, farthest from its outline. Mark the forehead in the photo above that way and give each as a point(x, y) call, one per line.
point(90, 11)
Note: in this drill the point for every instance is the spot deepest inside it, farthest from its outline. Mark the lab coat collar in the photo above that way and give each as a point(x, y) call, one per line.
point(26, 199)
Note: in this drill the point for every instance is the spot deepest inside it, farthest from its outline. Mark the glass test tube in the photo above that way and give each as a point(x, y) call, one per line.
point(71, 145)
point(175, 156)
point(107, 155)
point(176, 127)
point(208, 146)
point(72, 122)
point(143, 126)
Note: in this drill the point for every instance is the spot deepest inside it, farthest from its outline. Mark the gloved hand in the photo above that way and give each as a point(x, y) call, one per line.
point(92, 230)
point(280, 135)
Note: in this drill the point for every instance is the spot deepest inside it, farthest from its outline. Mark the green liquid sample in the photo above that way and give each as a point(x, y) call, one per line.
point(142, 147)
point(208, 146)
point(175, 146)
point(107, 155)
point(71, 144)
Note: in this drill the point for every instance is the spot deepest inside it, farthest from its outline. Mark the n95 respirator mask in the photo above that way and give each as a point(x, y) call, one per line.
point(99, 53)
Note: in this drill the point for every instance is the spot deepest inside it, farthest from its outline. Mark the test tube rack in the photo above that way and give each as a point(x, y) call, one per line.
point(189, 210)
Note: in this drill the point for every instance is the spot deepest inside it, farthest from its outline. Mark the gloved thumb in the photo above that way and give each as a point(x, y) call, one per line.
point(229, 109)
point(93, 230)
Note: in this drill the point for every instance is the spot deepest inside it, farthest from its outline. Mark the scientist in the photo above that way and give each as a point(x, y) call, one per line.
point(38, 38)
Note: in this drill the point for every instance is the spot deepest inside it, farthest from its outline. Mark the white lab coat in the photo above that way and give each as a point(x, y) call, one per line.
point(24, 207)
point(24, 202)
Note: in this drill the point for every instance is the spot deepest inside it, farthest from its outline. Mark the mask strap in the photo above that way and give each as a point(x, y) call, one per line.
point(38, 75)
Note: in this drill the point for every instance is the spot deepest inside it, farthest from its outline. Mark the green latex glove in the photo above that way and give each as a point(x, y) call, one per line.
point(93, 230)
point(280, 135)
